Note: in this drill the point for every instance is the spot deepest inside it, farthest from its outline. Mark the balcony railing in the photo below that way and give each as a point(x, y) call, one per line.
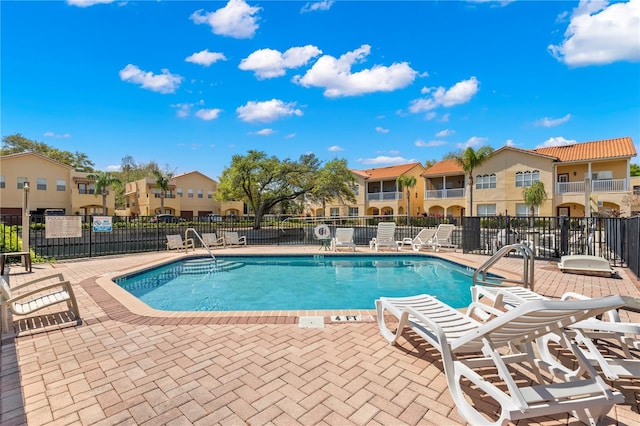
point(607, 185)
point(444, 193)
point(383, 196)
point(166, 196)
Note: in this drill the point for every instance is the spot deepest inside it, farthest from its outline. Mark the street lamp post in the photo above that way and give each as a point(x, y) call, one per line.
point(26, 216)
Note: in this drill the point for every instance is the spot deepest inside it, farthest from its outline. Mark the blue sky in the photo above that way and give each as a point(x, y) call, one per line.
point(189, 84)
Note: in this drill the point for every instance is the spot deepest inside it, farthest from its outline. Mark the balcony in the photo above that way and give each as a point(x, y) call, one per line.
point(384, 196)
point(444, 193)
point(155, 195)
point(606, 185)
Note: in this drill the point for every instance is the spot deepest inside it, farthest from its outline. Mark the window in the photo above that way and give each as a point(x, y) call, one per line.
point(485, 181)
point(356, 189)
point(563, 177)
point(42, 184)
point(353, 212)
point(200, 194)
point(2, 182)
point(210, 194)
point(21, 181)
point(525, 210)
point(527, 178)
point(190, 193)
point(179, 192)
point(334, 211)
point(486, 209)
point(86, 188)
point(636, 190)
point(604, 175)
point(61, 185)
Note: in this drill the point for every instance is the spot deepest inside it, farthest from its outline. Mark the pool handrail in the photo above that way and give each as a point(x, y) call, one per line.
point(186, 232)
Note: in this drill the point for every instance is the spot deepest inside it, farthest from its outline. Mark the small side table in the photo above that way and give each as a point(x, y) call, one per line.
point(325, 244)
point(26, 259)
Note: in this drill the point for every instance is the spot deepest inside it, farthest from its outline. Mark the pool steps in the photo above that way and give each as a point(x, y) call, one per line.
point(200, 266)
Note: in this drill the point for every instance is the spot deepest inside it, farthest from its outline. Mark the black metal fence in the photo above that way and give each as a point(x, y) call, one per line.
point(616, 239)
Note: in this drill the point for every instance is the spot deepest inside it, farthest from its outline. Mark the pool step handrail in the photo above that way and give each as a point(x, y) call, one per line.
point(186, 232)
point(528, 269)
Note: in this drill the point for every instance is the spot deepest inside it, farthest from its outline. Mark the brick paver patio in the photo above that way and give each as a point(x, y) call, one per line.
point(129, 365)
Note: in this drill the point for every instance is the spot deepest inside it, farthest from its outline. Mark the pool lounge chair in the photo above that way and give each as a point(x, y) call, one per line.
point(423, 239)
point(231, 238)
point(453, 333)
point(442, 238)
point(211, 240)
point(385, 237)
point(586, 265)
point(50, 290)
point(343, 238)
point(175, 242)
point(623, 333)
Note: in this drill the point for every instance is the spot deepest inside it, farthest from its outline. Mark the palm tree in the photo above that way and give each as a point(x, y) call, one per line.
point(162, 181)
point(534, 196)
point(103, 180)
point(407, 182)
point(469, 159)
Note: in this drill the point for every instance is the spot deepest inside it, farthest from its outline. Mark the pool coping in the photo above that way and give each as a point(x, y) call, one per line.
point(118, 304)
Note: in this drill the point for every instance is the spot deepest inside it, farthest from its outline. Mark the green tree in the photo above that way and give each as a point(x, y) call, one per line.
point(103, 180)
point(634, 169)
point(429, 163)
point(162, 180)
point(534, 196)
point(470, 159)
point(407, 182)
point(264, 182)
point(14, 144)
point(334, 182)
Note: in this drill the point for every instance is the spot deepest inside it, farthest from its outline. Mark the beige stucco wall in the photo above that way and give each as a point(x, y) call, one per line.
point(196, 182)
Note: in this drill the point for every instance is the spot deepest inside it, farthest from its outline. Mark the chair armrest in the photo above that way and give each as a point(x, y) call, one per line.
point(486, 311)
point(37, 280)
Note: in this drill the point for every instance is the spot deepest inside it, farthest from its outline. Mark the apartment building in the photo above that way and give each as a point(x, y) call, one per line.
point(580, 180)
point(47, 184)
point(378, 193)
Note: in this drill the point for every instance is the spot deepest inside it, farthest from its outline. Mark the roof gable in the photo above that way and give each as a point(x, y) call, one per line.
point(595, 150)
point(444, 167)
point(388, 172)
point(37, 155)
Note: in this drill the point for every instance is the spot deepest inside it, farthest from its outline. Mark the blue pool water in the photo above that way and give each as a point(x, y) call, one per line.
point(259, 283)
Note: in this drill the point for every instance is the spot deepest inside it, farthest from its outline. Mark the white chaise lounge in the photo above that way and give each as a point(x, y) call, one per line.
point(586, 264)
point(453, 333)
point(343, 239)
point(385, 237)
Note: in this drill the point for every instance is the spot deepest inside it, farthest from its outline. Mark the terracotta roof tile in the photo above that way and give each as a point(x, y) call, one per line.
point(388, 172)
point(444, 167)
point(596, 150)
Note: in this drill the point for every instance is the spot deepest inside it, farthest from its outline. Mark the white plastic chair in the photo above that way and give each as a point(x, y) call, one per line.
point(453, 333)
point(423, 239)
point(175, 242)
point(385, 236)
point(231, 238)
point(343, 238)
point(212, 240)
point(442, 238)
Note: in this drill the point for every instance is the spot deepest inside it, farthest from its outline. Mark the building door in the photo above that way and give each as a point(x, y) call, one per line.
point(563, 211)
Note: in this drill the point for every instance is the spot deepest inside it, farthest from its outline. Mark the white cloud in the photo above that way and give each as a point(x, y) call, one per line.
point(237, 19)
point(335, 76)
point(380, 129)
point(557, 141)
point(422, 144)
point(473, 141)
point(87, 3)
point(208, 114)
point(269, 63)
point(290, 136)
point(205, 58)
point(552, 122)
point(510, 142)
point(264, 132)
point(459, 93)
point(385, 160)
point(162, 83)
point(317, 5)
point(267, 111)
point(600, 33)
point(114, 168)
point(335, 148)
point(56, 135)
point(444, 118)
point(444, 133)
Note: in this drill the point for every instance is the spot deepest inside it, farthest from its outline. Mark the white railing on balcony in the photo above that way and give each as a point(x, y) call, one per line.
point(444, 193)
point(606, 185)
point(383, 196)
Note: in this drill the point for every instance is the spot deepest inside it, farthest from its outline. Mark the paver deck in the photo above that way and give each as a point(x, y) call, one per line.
point(128, 364)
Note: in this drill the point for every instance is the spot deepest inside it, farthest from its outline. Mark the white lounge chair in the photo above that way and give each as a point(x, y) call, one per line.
point(231, 238)
point(442, 238)
point(175, 242)
point(623, 333)
point(586, 264)
point(423, 239)
point(452, 333)
point(342, 239)
point(212, 240)
point(385, 237)
point(51, 290)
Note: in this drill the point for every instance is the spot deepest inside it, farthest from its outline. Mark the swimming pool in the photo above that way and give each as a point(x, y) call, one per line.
point(258, 283)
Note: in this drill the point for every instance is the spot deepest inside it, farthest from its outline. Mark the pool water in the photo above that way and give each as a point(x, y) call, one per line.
point(257, 283)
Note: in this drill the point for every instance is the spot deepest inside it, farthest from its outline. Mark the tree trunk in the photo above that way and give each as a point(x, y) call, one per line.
point(104, 202)
point(258, 218)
